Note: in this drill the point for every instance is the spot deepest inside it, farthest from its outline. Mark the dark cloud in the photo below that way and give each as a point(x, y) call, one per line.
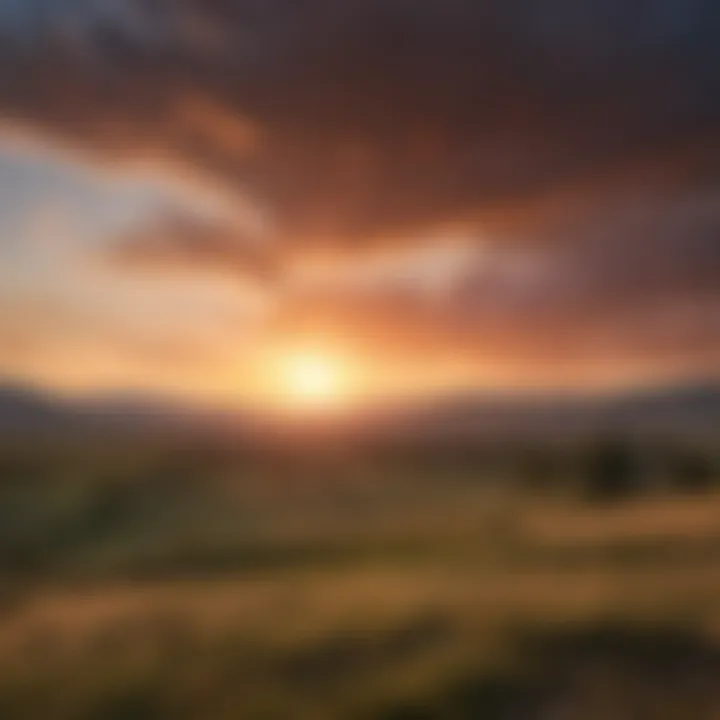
point(365, 117)
point(635, 280)
point(184, 242)
point(584, 131)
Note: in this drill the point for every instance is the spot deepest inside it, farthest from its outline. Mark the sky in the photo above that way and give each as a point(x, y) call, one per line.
point(430, 194)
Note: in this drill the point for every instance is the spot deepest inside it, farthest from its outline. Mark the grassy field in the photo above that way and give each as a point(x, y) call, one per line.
point(176, 580)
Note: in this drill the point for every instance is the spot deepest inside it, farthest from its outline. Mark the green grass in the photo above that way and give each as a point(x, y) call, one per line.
point(187, 583)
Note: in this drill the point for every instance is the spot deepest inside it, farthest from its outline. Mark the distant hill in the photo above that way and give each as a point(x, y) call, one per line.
point(22, 408)
point(27, 410)
point(677, 410)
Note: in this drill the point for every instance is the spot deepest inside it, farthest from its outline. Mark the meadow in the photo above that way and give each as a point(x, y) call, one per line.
point(198, 578)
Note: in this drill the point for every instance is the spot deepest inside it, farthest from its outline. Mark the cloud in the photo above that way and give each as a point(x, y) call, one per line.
point(636, 282)
point(580, 136)
point(366, 118)
point(182, 241)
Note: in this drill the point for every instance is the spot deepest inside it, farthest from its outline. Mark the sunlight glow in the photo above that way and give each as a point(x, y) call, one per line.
point(312, 379)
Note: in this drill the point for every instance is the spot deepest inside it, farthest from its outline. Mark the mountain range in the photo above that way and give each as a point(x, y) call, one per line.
point(691, 409)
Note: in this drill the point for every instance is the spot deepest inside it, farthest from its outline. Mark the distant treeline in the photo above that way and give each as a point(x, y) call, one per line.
point(598, 468)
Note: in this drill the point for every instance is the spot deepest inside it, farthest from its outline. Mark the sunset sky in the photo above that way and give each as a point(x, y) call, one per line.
point(209, 198)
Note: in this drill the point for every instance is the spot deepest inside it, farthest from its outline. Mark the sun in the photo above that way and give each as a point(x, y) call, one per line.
point(312, 379)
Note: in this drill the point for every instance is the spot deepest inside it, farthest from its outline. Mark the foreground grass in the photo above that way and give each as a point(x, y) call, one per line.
point(136, 592)
point(425, 642)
